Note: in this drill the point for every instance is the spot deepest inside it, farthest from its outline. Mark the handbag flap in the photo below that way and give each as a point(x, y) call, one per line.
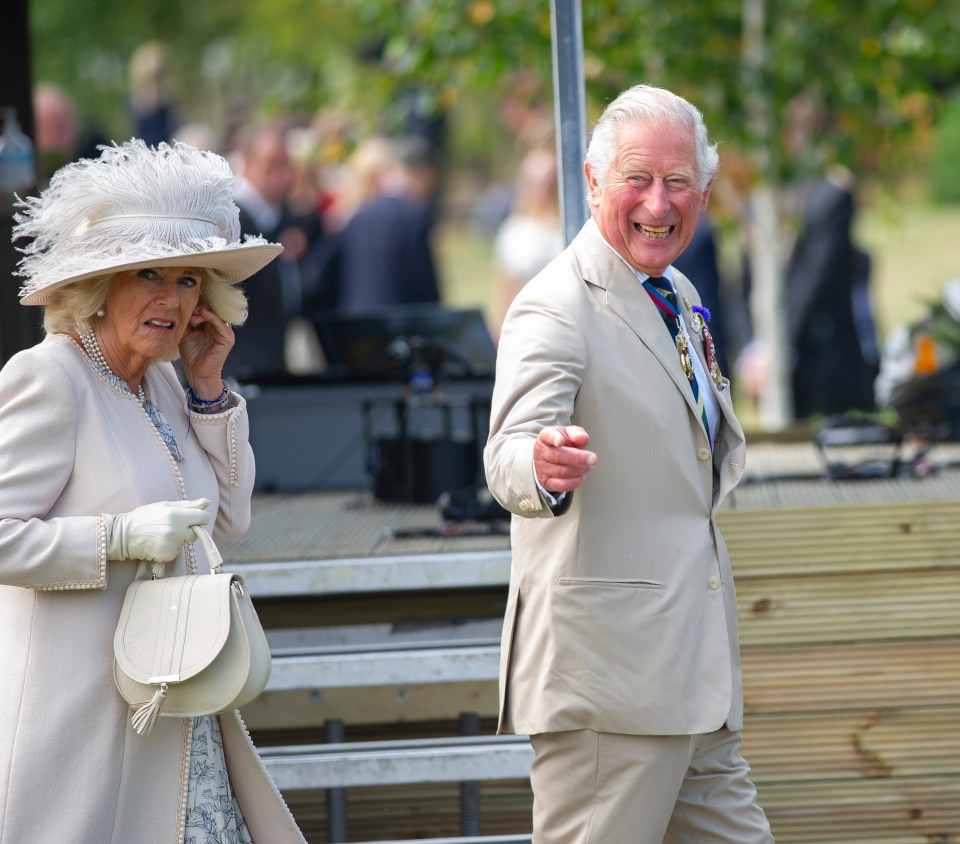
point(172, 628)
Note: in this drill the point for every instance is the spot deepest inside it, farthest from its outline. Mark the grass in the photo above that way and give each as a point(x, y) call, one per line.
point(466, 266)
point(915, 250)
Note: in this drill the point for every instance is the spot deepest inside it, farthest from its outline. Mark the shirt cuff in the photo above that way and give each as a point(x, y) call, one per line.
point(553, 500)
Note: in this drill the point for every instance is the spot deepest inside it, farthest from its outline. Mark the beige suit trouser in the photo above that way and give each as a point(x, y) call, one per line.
point(606, 788)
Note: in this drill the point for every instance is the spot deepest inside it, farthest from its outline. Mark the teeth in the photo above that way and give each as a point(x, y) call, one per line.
point(653, 231)
point(159, 322)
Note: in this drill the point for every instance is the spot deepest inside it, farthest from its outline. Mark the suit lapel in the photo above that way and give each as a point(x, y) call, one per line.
point(625, 296)
point(730, 443)
point(685, 289)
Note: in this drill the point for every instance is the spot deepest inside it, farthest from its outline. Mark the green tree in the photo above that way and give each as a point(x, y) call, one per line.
point(872, 74)
point(877, 68)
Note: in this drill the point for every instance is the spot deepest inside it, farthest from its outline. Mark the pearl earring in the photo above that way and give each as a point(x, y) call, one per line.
point(101, 312)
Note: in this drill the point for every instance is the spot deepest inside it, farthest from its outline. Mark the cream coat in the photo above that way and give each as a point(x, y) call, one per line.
point(621, 614)
point(72, 447)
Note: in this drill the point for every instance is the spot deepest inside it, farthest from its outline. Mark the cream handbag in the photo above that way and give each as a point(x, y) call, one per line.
point(189, 645)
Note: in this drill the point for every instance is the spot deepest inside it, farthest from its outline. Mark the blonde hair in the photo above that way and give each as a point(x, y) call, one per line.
point(73, 306)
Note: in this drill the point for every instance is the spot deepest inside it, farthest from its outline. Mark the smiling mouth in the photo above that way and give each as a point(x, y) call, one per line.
point(656, 232)
point(159, 323)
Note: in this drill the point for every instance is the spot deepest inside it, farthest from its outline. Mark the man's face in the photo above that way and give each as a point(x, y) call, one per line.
point(268, 168)
point(650, 205)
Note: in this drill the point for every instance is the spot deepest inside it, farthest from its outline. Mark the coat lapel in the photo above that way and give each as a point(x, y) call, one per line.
point(730, 444)
point(626, 297)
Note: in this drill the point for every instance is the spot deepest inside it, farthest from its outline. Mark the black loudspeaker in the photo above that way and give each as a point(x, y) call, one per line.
point(420, 470)
point(422, 446)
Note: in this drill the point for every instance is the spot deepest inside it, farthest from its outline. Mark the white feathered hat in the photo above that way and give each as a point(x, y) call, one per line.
point(134, 207)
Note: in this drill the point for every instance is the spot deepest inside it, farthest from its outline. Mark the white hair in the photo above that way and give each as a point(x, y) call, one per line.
point(656, 107)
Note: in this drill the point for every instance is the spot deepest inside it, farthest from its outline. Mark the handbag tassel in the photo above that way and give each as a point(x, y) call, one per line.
point(146, 715)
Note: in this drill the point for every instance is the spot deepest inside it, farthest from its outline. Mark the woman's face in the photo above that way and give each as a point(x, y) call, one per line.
point(147, 313)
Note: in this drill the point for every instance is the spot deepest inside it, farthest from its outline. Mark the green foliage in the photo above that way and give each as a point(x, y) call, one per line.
point(870, 68)
point(85, 46)
point(946, 163)
point(873, 69)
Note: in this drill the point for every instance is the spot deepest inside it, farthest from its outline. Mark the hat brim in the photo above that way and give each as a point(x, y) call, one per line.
point(231, 265)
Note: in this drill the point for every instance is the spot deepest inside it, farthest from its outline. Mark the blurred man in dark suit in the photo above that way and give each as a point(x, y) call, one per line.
point(265, 178)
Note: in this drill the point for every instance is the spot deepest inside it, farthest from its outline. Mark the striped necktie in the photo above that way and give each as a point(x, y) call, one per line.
point(664, 297)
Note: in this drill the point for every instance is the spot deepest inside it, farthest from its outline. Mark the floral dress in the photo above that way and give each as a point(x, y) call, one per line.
point(213, 816)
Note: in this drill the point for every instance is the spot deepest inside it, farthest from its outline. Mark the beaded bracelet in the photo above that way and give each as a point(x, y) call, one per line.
point(206, 406)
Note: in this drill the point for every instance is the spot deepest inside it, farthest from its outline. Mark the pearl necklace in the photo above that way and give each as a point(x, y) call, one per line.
point(92, 348)
point(167, 442)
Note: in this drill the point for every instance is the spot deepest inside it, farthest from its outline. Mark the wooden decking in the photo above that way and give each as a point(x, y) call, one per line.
point(848, 594)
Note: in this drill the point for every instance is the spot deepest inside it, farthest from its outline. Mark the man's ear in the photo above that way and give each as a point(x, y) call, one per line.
point(705, 197)
point(593, 188)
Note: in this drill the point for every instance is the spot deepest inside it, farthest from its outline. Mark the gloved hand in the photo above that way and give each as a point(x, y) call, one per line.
point(154, 532)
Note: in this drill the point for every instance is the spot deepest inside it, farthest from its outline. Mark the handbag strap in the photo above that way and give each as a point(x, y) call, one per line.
point(214, 557)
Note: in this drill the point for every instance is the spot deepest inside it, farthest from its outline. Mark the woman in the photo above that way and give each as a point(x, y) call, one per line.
point(530, 236)
point(105, 462)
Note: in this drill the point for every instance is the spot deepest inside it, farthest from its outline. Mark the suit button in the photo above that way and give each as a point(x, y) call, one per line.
point(703, 453)
point(526, 504)
point(714, 583)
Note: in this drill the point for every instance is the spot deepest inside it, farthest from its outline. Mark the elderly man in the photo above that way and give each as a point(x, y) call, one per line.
point(614, 444)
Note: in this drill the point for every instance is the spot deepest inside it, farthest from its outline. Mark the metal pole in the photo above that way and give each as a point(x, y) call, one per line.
point(469, 789)
point(568, 98)
point(333, 733)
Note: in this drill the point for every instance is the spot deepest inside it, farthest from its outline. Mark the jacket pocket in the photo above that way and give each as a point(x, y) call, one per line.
point(612, 582)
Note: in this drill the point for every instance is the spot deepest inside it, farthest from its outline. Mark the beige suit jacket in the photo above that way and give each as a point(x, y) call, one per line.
point(621, 614)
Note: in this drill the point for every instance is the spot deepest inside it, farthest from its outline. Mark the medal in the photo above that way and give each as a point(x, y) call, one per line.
point(712, 365)
point(683, 349)
point(699, 317)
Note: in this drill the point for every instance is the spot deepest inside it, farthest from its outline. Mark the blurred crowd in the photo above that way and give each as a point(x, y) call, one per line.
point(358, 216)
point(355, 215)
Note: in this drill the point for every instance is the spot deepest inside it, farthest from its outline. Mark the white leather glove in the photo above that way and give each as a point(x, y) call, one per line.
point(154, 532)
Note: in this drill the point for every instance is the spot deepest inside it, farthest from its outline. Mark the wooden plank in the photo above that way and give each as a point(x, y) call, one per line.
point(853, 676)
point(833, 540)
point(844, 608)
point(888, 810)
point(870, 743)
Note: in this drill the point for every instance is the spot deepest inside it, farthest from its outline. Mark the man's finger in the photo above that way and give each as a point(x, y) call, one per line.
point(553, 437)
point(576, 436)
point(568, 455)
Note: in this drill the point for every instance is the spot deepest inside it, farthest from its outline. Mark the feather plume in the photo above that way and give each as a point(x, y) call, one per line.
point(134, 203)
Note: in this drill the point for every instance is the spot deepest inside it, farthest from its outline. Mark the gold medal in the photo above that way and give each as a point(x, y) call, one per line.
point(683, 349)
